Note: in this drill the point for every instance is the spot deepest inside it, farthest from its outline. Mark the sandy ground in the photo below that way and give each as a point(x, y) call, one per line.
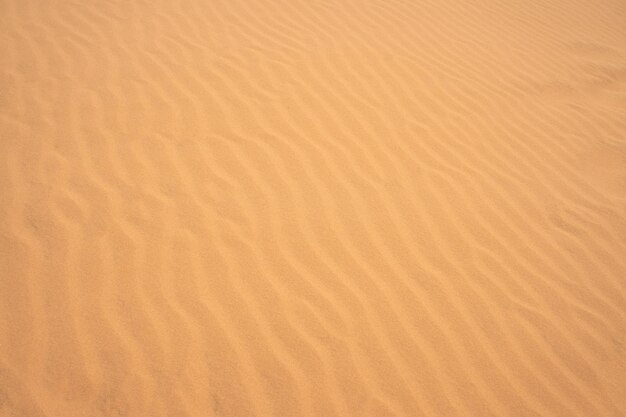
point(313, 208)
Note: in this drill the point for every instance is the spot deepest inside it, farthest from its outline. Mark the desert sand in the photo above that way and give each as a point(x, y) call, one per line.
point(313, 208)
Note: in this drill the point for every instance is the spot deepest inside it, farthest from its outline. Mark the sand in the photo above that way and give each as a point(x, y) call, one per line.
point(313, 208)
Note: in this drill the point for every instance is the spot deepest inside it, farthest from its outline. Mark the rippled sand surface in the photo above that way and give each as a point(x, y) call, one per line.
point(313, 208)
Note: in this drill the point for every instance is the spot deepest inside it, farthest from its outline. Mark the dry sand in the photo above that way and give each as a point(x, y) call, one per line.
point(313, 208)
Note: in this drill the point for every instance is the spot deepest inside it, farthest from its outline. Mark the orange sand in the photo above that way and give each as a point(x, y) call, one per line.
point(313, 208)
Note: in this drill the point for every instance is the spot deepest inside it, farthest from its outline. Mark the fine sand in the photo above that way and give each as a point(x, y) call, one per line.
point(329, 208)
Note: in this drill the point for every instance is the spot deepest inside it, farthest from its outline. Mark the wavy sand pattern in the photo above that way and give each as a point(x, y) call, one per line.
point(313, 208)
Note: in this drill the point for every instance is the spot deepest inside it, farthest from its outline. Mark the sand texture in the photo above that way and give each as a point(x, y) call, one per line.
point(326, 208)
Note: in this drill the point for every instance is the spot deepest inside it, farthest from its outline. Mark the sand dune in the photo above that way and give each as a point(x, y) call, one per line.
point(313, 208)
